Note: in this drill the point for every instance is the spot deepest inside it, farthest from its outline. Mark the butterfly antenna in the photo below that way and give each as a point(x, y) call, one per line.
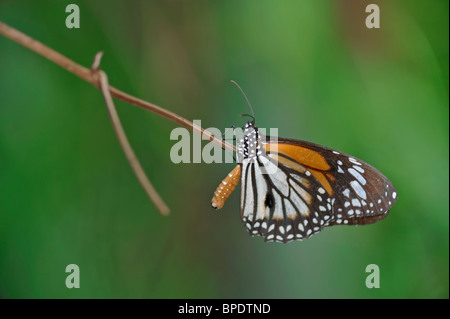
point(248, 102)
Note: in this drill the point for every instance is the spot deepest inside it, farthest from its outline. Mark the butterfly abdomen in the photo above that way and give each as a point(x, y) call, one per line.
point(225, 188)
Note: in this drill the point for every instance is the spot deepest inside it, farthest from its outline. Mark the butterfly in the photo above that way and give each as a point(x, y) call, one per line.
point(292, 189)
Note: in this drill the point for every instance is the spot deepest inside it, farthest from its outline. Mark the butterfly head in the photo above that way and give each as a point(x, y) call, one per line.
point(249, 125)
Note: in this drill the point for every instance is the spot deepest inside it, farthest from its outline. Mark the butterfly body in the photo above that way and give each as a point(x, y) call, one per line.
point(292, 189)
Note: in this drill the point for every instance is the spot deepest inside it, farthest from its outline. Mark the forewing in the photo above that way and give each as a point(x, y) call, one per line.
point(360, 193)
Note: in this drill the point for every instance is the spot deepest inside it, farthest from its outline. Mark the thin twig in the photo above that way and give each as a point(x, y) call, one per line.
point(96, 63)
point(98, 78)
point(121, 136)
point(93, 78)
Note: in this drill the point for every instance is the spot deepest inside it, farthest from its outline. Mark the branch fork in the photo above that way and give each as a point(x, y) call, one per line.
point(98, 78)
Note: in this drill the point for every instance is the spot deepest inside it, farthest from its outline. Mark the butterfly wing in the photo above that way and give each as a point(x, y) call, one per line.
point(361, 193)
point(287, 204)
point(309, 187)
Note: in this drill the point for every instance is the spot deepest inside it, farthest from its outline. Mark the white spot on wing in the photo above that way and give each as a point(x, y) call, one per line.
point(359, 190)
point(358, 176)
point(359, 168)
point(356, 202)
point(354, 161)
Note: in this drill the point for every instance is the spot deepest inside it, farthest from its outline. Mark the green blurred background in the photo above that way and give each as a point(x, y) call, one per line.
point(310, 68)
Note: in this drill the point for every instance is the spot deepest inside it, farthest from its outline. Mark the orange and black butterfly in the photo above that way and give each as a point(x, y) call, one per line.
point(306, 187)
